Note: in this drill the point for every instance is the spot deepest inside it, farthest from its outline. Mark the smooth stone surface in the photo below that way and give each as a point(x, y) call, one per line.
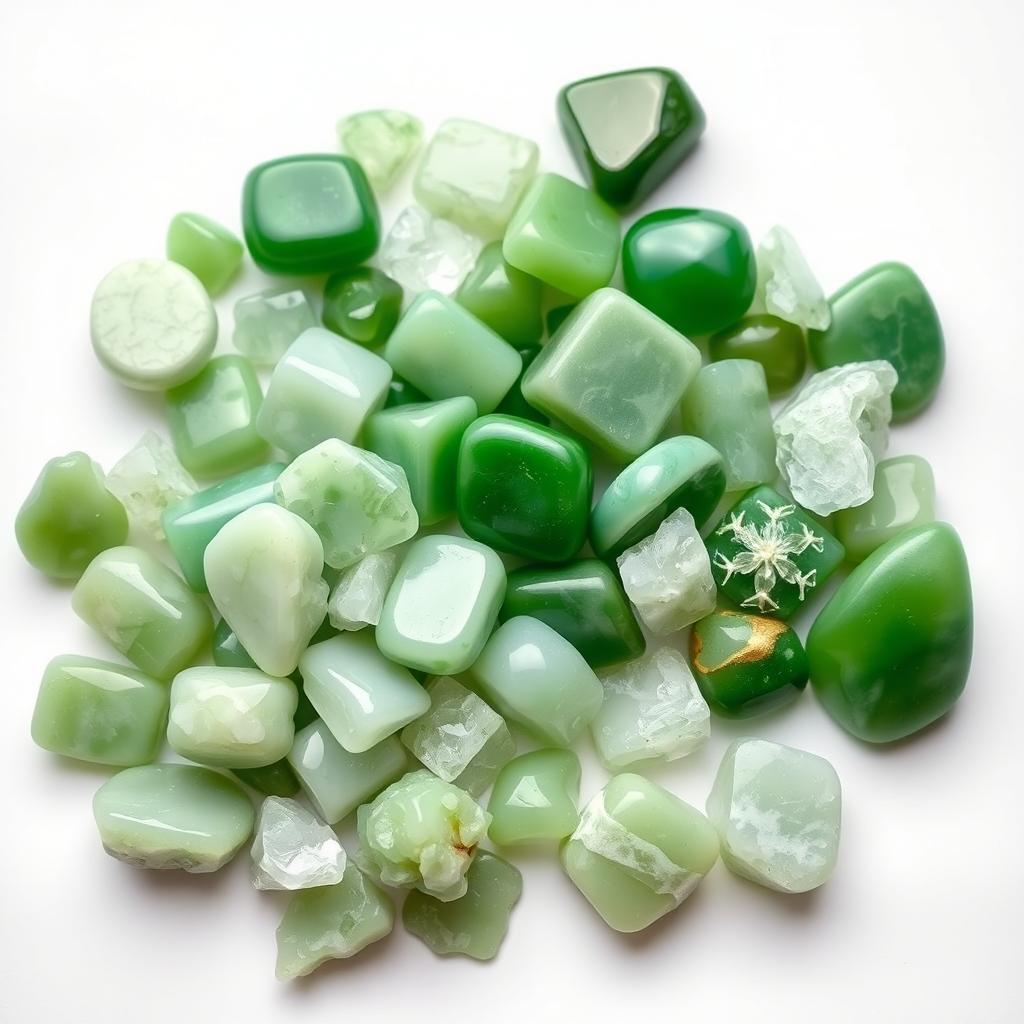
point(778, 346)
point(382, 141)
point(362, 305)
point(786, 285)
point(777, 813)
point(535, 798)
point(206, 248)
point(269, 321)
point(556, 317)
point(424, 253)
point(891, 650)
point(358, 596)
point(505, 299)
point(173, 816)
point(293, 849)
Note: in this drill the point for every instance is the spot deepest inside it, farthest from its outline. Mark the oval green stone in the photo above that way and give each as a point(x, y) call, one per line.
point(775, 343)
point(362, 305)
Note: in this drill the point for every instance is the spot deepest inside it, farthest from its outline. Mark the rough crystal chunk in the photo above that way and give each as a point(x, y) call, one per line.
point(359, 594)
point(268, 322)
point(424, 253)
point(786, 285)
point(293, 849)
point(383, 141)
point(535, 797)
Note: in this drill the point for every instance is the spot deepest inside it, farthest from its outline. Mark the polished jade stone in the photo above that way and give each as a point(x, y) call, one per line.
point(505, 299)
point(100, 712)
point(383, 141)
point(638, 852)
point(524, 488)
point(680, 472)
point(776, 344)
point(401, 392)
point(145, 611)
point(173, 816)
point(191, 524)
point(69, 517)
point(727, 404)
point(475, 924)
point(445, 351)
point(887, 313)
point(275, 779)
point(269, 321)
point(583, 602)
point(891, 650)
point(564, 235)
point(614, 373)
point(745, 664)
point(513, 404)
point(903, 496)
point(231, 717)
point(337, 781)
point(629, 130)
point(309, 215)
point(323, 387)
point(693, 268)
point(442, 606)
point(212, 418)
point(206, 248)
point(535, 798)
point(362, 305)
point(535, 677)
point(768, 555)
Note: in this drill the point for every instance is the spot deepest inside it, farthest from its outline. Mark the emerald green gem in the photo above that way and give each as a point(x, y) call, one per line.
point(891, 650)
point(693, 268)
point(513, 404)
point(557, 316)
point(630, 129)
point(206, 248)
point(540, 510)
point(535, 798)
point(275, 779)
point(401, 392)
point(362, 305)
point(775, 343)
point(886, 313)
point(69, 517)
point(746, 665)
point(505, 299)
point(309, 215)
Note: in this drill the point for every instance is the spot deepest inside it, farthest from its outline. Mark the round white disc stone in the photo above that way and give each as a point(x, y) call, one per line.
point(152, 324)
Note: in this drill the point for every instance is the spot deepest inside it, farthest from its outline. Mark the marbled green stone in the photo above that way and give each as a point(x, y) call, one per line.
point(362, 305)
point(98, 711)
point(275, 779)
point(535, 798)
point(383, 141)
point(69, 517)
point(269, 321)
point(401, 392)
point(887, 313)
point(513, 404)
point(206, 248)
point(693, 268)
point(891, 650)
point(775, 343)
point(505, 299)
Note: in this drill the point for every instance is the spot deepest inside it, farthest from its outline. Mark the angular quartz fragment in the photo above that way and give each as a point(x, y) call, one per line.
point(535, 798)
point(423, 253)
point(359, 594)
point(460, 739)
point(668, 576)
point(652, 710)
point(269, 321)
point(831, 433)
point(786, 285)
point(382, 141)
point(421, 833)
point(293, 849)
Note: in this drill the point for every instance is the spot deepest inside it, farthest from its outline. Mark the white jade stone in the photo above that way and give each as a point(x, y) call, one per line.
point(668, 576)
point(786, 286)
point(359, 594)
point(293, 848)
point(831, 434)
point(423, 253)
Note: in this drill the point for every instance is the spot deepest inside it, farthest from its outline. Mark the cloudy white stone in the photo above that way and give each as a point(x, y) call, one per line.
point(786, 285)
point(359, 594)
point(294, 849)
point(425, 253)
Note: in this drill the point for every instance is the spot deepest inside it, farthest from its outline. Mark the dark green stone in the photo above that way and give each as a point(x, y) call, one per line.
point(401, 392)
point(362, 305)
point(505, 299)
point(275, 779)
point(775, 343)
point(513, 404)
point(557, 316)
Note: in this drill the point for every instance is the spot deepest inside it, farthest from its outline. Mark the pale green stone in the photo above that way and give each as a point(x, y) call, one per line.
point(382, 141)
point(786, 285)
point(358, 596)
point(264, 572)
point(535, 798)
point(269, 321)
point(777, 811)
point(293, 849)
point(357, 503)
point(424, 253)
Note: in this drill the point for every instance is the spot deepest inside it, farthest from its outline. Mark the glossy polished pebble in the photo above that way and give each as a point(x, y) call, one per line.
point(383, 141)
point(614, 373)
point(777, 345)
point(891, 650)
point(98, 711)
point(173, 816)
point(293, 849)
point(206, 248)
point(535, 798)
point(505, 299)
point(152, 324)
point(69, 517)
point(362, 305)
point(144, 610)
point(269, 321)
point(424, 253)
point(358, 596)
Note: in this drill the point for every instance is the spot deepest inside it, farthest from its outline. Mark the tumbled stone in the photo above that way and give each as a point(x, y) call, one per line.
point(359, 594)
point(424, 253)
point(269, 321)
point(207, 248)
point(505, 299)
point(786, 285)
point(777, 345)
point(362, 305)
point(293, 849)
point(535, 798)
point(383, 141)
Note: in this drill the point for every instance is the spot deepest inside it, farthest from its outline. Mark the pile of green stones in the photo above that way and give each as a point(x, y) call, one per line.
point(369, 666)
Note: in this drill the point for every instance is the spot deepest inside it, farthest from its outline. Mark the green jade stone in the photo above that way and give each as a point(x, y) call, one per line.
point(891, 650)
point(206, 248)
point(382, 141)
point(171, 816)
point(535, 798)
point(556, 317)
point(100, 712)
point(886, 313)
point(401, 392)
point(513, 404)
point(747, 665)
point(144, 610)
point(629, 130)
point(309, 215)
point(362, 305)
point(505, 299)
point(693, 268)
point(775, 343)
point(69, 517)
point(275, 779)
point(475, 924)
point(524, 488)
point(269, 321)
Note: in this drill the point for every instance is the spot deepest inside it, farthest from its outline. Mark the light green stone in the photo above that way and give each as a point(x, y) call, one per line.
point(358, 596)
point(144, 610)
point(269, 321)
point(535, 798)
point(173, 816)
point(264, 572)
point(505, 299)
point(382, 141)
point(786, 285)
point(206, 248)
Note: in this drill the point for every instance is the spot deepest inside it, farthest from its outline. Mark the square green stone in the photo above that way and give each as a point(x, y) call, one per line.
point(535, 798)
point(206, 248)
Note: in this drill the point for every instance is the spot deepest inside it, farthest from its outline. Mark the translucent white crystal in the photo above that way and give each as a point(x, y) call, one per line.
point(668, 577)
point(422, 252)
point(293, 849)
point(830, 435)
point(359, 594)
point(786, 286)
point(268, 322)
point(148, 480)
point(382, 141)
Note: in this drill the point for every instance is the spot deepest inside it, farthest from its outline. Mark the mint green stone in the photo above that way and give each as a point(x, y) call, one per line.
point(206, 248)
point(98, 711)
point(275, 779)
point(358, 596)
point(382, 141)
point(144, 610)
point(535, 798)
point(269, 321)
point(505, 299)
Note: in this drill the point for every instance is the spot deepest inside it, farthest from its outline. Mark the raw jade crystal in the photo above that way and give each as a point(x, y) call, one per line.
point(424, 253)
point(362, 305)
point(173, 816)
point(777, 813)
point(293, 849)
point(69, 517)
point(358, 596)
point(535, 798)
point(382, 141)
point(786, 285)
point(100, 712)
point(505, 299)
point(776, 344)
point(206, 248)
point(652, 710)
point(269, 321)
point(144, 610)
